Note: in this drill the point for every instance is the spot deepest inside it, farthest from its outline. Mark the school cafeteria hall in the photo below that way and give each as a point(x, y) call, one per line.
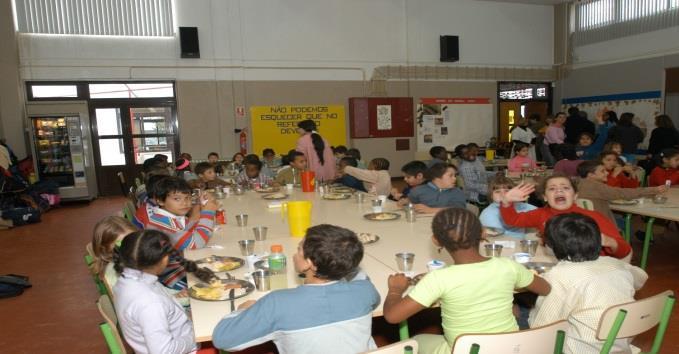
point(339, 176)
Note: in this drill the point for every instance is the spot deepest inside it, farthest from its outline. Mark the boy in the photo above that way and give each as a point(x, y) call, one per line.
point(584, 284)
point(330, 313)
point(213, 158)
point(593, 186)
point(475, 175)
point(264, 169)
point(252, 176)
point(347, 180)
point(292, 173)
point(438, 154)
point(339, 152)
point(439, 193)
point(413, 175)
point(207, 178)
point(490, 216)
point(270, 159)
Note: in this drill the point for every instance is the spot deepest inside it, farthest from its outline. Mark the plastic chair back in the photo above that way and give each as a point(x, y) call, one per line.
point(402, 347)
point(540, 340)
point(112, 335)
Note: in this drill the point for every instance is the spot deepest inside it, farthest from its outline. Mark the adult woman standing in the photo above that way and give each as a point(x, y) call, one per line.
point(320, 158)
point(523, 134)
point(626, 133)
point(664, 136)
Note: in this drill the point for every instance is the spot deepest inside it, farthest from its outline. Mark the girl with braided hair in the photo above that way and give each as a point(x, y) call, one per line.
point(475, 293)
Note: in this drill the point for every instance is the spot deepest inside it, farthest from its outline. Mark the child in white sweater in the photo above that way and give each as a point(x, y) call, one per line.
point(376, 178)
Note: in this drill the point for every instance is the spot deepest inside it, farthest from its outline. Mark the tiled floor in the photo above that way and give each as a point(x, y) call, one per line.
point(58, 314)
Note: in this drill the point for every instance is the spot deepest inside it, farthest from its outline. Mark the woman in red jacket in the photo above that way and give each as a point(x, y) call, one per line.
point(560, 194)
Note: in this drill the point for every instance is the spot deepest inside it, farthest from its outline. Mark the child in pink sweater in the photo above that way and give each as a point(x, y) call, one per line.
point(521, 161)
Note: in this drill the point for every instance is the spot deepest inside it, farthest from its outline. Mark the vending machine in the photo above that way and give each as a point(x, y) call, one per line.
point(62, 151)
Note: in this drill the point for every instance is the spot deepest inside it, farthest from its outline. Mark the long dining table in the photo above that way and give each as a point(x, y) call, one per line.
point(379, 258)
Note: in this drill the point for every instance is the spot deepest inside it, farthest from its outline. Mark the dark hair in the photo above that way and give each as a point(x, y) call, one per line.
point(380, 164)
point(293, 154)
point(285, 160)
point(253, 162)
point(437, 150)
point(169, 184)
point(413, 168)
point(144, 249)
point(340, 149)
point(664, 121)
point(605, 153)
point(612, 116)
point(151, 184)
point(472, 145)
point(572, 111)
point(543, 185)
point(319, 145)
point(335, 251)
point(518, 146)
point(151, 164)
point(626, 119)
point(573, 237)
point(587, 167)
point(460, 149)
point(350, 161)
point(437, 170)
point(560, 113)
point(161, 157)
point(185, 156)
point(213, 154)
point(250, 157)
point(268, 151)
point(202, 167)
point(456, 229)
point(669, 153)
point(236, 154)
point(499, 181)
point(355, 153)
point(590, 135)
point(568, 151)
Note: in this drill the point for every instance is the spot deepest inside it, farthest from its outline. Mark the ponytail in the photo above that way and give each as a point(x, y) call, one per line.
point(319, 146)
point(203, 274)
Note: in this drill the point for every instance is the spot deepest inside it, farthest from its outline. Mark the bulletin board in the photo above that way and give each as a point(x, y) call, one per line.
point(644, 105)
point(381, 117)
point(451, 121)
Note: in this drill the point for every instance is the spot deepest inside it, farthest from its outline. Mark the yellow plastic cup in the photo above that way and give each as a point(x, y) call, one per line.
point(298, 214)
point(490, 154)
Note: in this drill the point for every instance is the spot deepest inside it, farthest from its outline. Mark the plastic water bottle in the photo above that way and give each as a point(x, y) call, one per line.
point(278, 268)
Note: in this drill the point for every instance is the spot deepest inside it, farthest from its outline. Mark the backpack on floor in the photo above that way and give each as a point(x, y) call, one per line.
point(12, 285)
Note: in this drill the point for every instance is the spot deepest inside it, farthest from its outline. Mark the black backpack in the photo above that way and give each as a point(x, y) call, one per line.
point(12, 285)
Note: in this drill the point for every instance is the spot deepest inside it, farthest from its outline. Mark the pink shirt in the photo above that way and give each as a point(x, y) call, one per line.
point(516, 163)
point(325, 172)
point(554, 135)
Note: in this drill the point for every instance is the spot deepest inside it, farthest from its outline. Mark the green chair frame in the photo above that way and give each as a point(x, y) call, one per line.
point(101, 288)
point(111, 341)
point(648, 236)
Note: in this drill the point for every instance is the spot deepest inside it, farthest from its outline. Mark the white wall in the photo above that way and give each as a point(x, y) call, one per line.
point(303, 40)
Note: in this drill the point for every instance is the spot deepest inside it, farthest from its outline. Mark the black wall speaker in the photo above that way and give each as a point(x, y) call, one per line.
point(188, 40)
point(450, 48)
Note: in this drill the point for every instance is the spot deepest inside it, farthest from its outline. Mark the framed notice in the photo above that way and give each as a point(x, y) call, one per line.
point(381, 117)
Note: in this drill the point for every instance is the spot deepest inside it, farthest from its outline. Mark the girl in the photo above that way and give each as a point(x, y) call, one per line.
point(151, 320)
point(554, 135)
point(237, 162)
point(669, 171)
point(320, 158)
point(475, 293)
point(108, 232)
point(619, 174)
point(524, 135)
point(490, 216)
point(560, 194)
point(521, 162)
point(376, 178)
point(183, 169)
point(617, 148)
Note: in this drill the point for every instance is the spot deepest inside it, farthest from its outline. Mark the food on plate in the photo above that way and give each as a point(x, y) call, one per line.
point(367, 238)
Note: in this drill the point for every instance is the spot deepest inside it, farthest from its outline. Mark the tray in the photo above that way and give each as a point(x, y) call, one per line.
point(221, 263)
point(219, 290)
point(275, 196)
point(336, 196)
point(383, 216)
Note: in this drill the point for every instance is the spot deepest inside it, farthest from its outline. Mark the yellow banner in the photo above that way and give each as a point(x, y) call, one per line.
point(276, 126)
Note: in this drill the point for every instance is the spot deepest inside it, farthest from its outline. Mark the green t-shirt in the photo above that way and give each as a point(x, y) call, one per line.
point(474, 298)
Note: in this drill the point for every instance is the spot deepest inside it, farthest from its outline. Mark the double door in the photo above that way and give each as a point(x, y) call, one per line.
point(125, 134)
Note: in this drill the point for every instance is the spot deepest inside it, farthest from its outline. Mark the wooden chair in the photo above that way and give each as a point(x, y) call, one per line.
point(633, 318)
point(585, 203)
point(541, 340)
point(402, 347)
point(110, 328)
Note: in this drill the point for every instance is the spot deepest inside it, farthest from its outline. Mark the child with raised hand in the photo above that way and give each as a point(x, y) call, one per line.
point(668, 171)
point(330, 313)
point(475, 293)
point(152, 321)
point(584, 284)
point(490, 216)
point(560, 193)
point(619, 174)
point(207, 177)
point(376, 178)
point(413, 175)
point(521, 162)
point(439, 193)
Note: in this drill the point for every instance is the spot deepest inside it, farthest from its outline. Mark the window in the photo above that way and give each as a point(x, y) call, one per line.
point(132, 90)
point(141, 18)
point(54, 91)
point(522, 91)
point(596, 13)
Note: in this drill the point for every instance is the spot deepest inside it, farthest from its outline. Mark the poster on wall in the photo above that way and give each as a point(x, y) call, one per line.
point(451, 121)
point(276, 126)
point(383, 117)
point(644, 105)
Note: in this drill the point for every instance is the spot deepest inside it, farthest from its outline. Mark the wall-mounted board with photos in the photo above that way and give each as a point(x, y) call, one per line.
point(451, 121)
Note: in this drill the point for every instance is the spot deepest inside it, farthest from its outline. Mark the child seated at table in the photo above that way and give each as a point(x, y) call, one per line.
point(475, 175)
point(143, 191)
point(593, 186)
point(439, 193)
point(376, 178)
point(616, 147)
point(438, 154)
point(413, 175)
point(291, 174)
point(475, 293)
point(182, 169)
point(237, 162)
point(108, 233)
point(270, 159)
point(584, 284)
point(521, 162)
point(560, 193)
point(207, 177)
point(348, 180)
point(252, 176)
point(619, 174)
point(188, 226)
point(588, 148)
point(339, 152)
point(213, 159)
point(152, 321)
point(330, 313)
point(568, 165)
point(667, 171)
point(355, 153)
point(490, 216)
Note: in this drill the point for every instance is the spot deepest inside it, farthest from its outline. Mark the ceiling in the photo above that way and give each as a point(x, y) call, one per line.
point(535, 2)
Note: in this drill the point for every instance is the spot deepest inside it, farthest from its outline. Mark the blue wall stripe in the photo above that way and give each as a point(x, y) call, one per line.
point(617, 97)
